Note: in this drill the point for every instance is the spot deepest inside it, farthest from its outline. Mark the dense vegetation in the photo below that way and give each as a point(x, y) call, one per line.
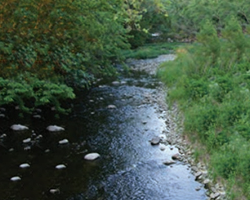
point(48, 48)
point(210, 80)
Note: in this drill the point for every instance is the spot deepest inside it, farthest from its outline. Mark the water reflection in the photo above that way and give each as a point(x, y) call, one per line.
point(129, 167)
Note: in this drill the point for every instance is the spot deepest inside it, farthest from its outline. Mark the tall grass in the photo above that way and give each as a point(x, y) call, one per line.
point(210, 80)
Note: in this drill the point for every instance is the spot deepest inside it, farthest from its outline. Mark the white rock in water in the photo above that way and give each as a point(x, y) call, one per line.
point(18, 127)
point(54, 191)
point(91, 156)
point(65, 141)
point(24, 165)
point(62, 166)
point(111, 107)
point(26, 140)
point(115, 82)
point(55, 128)
point(15, 178)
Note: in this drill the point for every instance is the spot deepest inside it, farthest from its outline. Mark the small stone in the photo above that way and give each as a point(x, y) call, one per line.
point(27, 148)
point(2, 109)
point(37, 116)
point(91, 156)
point(38, 110)
point(18, 127)
point(111, 107)
point(176, 156)
point(198, 175)
point(54, 191)
point(64, 141)
point(163, 136)
point(92, 113)
point(61, 166)
point(2, 115)
point(24, 165)
point(54, 128)
point(39, 137)
point(206, 183)
point(3, 136)
point(144, 122)
point(15, 178)
point(162, 148)
point(214, 195)
point(53, 108)
point(27, 140)
point(198, 188)
point(169, 162)
point(11, 149)
point(156, 140)
point(47, 151)
point(115, 82)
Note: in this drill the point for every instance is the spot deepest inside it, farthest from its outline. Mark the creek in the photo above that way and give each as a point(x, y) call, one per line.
point(117, 120)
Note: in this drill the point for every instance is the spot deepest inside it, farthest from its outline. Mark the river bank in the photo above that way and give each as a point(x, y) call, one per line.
point(174, 133)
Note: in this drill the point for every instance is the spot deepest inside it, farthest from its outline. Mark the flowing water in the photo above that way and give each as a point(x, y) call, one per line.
point(130, 168)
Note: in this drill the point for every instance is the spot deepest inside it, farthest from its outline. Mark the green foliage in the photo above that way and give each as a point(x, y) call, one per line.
point(153, 18)
point(188, 16)
point(151, 50)
point(57, 43)
point(210, 81)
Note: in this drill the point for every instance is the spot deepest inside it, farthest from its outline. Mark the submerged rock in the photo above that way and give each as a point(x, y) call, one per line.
point(15, 178)
point(111, 107)
point(155, 140)
point(24, 165)
point(27, 140)
point(64, 141)
point(54, 191)
point(54, 128)
point(18, 127)
point(91, 156)
point(61, 166)
point(169, 162)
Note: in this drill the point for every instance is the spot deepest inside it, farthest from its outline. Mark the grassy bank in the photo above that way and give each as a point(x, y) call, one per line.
point(210, 80)
point(151, 50)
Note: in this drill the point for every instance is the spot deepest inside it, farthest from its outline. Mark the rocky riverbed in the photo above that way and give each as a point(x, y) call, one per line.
point(173, 132)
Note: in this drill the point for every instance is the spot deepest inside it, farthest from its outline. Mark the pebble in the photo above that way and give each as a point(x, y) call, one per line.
point(27, 148)
point(18, 127)
point(214, 195)
point(156, 140)
point(111, 107)
point(54, 191)
point(53, 128)
point(169, 162)
point(91, 156)
point(2, 109)
point(64, 141)
point(61, 166)
point(24, 165)
point(15, 178)
point(3, 136)
point(37, 116)
point(27, 140)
